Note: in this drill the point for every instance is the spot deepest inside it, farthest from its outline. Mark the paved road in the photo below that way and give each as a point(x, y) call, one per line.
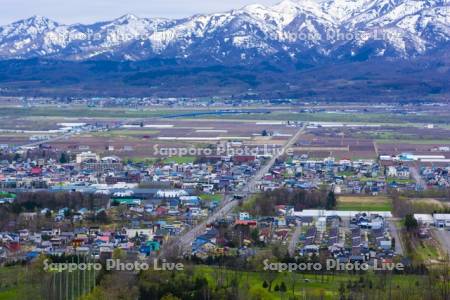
point(375, 146)
point(416, 176)
point(396, 235)
point(184, 241)
point(294, 240)
point(67, 135)
point(59, 137)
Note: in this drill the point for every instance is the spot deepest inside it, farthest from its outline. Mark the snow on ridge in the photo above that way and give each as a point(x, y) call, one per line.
point(290, 24)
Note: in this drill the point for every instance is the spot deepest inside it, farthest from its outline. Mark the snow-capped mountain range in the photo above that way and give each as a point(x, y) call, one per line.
point(290, 30)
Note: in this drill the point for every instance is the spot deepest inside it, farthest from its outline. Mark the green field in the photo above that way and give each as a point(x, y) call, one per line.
point(376, 203)
point(125, 133)
point(304, 286)
point(426, 251)
point(251, 283)
point(338, 117)
point(180, 159)
point(9, 294)
point(83, 111)
point(400, 181)
point(414, 141)
point(364, 207)
point(210, 197)
point(98, 112)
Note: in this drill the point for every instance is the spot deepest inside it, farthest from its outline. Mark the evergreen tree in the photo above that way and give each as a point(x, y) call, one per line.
point(331, 200)
point(410, 222)
point(64, 158)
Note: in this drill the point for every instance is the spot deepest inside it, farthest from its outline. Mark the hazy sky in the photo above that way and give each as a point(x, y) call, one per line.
point(88, 11)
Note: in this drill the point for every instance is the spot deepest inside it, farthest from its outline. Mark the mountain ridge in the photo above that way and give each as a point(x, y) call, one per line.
point(291, 30)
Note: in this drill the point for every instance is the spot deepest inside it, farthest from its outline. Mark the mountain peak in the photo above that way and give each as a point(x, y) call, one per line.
point(126, 18)
point(40, 20)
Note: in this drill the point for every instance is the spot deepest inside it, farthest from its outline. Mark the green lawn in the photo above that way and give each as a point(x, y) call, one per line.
point(376, 203)
point(210, 197)
point(145, 160)
point(125, 133)
point(347, 173)
point(413, 141)
point(364, 206)
point(9, 294)
point(427, 251)
point(302, 286)
point(400, 181)
point(365, 179)
point(305, 285)
point(180, 159)
point(364, 118)
point(83, 111)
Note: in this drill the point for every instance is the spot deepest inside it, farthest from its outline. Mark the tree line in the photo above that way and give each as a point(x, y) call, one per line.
point(264, 204)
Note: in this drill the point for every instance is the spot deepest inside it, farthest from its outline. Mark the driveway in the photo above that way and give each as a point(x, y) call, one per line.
point(396, 235)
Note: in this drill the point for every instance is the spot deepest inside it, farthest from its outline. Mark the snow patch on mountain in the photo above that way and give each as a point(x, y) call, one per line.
point(292, 28)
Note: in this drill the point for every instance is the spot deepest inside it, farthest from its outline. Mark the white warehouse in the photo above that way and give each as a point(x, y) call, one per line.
point(441, 220)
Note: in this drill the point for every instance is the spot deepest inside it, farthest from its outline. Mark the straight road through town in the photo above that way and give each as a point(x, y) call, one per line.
point(184, 241)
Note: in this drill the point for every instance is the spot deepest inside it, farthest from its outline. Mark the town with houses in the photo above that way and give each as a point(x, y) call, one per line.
point(140, 207)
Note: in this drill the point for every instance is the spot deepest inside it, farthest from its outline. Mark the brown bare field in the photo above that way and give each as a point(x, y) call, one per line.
point(141, 142)
point(358, 199)
point(318, 143)
point(370, 142)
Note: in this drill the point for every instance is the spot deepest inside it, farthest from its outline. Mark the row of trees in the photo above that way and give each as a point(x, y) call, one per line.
point(266, 202)
point(32, 201)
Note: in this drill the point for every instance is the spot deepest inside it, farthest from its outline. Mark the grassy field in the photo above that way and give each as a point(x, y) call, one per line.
point(83, 111)
point(347, 173)
point(304, 286)
point(400, 181)
point(145, 160)
point(375, 203)
point(10, 282)
point(9, 294)
point(210, 197)
point(394, 136)
point(413, 142)
point(428, 205)
point(180, 159)
point(124, 133)
point(427, 250)
point(339, 117)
